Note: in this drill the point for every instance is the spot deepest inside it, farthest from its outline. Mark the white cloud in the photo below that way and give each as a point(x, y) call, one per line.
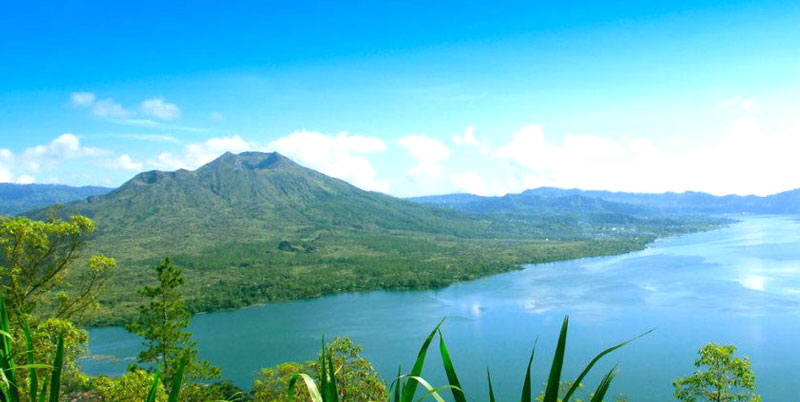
point(743, 160)
point(147, 123)
point(107, 108)
point(63, 147)
point(151, 137)
point(159, 108)
point(25, 179)
point(198, 154)
point(124, 161)
point(216, 116)
point(738, 101)
point(51, 155)
point(428, 152)
point(335, 155)
point(468, 138)
point(6, 158)
point(469, 181)
point(81, 99)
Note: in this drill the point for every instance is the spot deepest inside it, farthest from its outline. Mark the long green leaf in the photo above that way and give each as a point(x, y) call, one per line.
point(43, 393)
point(491, 389)
point(333, 393)
point(310, 385)
point(527, 395)
point(323, 375)
point(411, 386)
point(554, 380)
point(434, 392)
point(151, 396)
point(178, 380)
point(602, 389)
point(397, 384)
point(450, 370)
point(33, 379)
point(7, 359)
point(591, 364)
point(58, 364)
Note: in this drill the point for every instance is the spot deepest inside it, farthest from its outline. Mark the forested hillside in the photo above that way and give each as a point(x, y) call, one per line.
point(256, 227)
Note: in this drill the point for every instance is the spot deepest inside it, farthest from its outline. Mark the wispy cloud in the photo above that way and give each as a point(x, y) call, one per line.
point(738, 101)
point(125, 162)
point(150, 137)
point(109, 108)
point(429, 153)
point(159, 108)
point(81, 99)
point(147, 123)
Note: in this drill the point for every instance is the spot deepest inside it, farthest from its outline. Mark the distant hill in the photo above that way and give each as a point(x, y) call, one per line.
point(690, 202)
point(256, 227)
point(18, 198)
point(586, 201)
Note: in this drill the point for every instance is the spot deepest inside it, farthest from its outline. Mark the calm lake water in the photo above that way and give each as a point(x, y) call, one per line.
point(739, 284)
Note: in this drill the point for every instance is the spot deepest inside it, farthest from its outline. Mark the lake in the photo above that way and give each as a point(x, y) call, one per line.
point(739, 284)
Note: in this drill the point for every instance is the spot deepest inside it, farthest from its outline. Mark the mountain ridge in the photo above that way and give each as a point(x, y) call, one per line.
point(688, 202)
point(16, 199)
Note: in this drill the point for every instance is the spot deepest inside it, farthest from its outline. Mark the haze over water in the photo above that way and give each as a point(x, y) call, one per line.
point(739, 284)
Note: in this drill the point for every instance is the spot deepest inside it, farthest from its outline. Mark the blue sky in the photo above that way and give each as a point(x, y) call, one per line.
point(409, 98)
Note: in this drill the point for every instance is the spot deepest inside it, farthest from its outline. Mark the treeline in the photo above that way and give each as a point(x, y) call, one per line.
point(232, 275)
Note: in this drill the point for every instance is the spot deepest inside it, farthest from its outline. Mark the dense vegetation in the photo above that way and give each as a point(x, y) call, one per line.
point(18, 198)
point(257, 227)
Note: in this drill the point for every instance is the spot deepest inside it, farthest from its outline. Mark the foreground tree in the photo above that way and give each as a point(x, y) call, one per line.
point(37, 258)
point(163, 322)
point(357, 380)
point(48, 287)
point(721, 377)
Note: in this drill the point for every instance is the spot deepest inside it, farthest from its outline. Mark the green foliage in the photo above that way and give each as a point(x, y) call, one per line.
point(162, 322)
point(404, 388)
point(36, 259)
point(129, 387)
point(355, 378)
point(721, 377)
point(11, 385)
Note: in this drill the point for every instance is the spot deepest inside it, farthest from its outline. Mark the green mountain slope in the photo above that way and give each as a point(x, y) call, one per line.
point(18, 198)
point(257, 227)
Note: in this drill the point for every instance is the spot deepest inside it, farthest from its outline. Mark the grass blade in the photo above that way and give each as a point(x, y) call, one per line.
point(58, 364)
point(43, 393)
point(458, 394)
point(151, 396)
point(591, 364)
point(602, 389)
point(434, 392)
point(33, 380)
point(176, 382)
point(526, 386)
point(410, 387)
point(7, 359)
point(554, 380)
point(397, 384)
point(491, 389)
point(310, 385)
point(332, 391)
